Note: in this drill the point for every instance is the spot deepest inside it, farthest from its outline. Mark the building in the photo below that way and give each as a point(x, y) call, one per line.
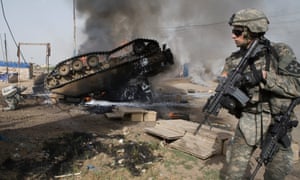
point(22, 70)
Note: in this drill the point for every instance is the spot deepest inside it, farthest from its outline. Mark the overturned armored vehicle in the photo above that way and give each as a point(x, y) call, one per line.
point(117, 75)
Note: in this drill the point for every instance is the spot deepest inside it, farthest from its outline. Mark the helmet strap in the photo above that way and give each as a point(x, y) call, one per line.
point(247, 36)
point(246, 33)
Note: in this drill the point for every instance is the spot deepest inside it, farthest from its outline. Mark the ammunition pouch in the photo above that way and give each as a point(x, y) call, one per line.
point(234, 97)
point(232, 105)
point(229, 103)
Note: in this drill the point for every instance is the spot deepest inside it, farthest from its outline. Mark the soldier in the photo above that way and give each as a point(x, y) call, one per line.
point(12, 96)
point(270, 82)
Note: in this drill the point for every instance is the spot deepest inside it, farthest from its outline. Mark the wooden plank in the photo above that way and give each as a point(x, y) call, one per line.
point(165, 127)
point(295, 149)
point(164, 133)
point(188, 126)
point(141, 116)
point(125, 109)
point(197, 145)
point(114, 115)
point(132, 114)
point(135, 116)
point(150, 116)
point(206, 143)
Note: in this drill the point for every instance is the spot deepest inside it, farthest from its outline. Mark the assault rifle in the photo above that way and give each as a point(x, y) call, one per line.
point(228, 86)
point(275, 135)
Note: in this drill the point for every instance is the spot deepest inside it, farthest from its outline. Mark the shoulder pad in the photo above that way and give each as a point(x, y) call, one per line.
point(287, 62)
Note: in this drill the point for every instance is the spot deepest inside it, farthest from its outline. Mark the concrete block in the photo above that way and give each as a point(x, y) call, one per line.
point(139, 116)
point(150, 116)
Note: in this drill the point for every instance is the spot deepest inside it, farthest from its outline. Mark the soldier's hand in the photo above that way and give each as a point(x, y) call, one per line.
point(264, 74)
point(253, 78)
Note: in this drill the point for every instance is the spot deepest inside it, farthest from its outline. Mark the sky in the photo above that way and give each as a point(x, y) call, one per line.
point(197, 31)
point(38, 21)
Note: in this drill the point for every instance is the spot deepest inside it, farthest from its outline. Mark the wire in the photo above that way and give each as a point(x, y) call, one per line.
point(2, 48)
point(10, 31)
point(194, 26)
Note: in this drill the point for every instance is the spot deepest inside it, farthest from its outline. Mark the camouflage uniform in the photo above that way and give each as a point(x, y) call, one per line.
point(266, 100)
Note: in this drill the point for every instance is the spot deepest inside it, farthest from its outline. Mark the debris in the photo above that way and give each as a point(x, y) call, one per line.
point(295, 149)
point(9, 77)
point(90, 167)
point(191, 91)
point(67, 175)
point(121, 141)
point(202, 146)
point(12, 95)
point(177, 115)
point(125, 131)
point(132, 114)
point(165, 133)
point(208, 142)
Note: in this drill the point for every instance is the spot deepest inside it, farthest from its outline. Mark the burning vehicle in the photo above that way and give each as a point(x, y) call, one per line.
point(117, 75)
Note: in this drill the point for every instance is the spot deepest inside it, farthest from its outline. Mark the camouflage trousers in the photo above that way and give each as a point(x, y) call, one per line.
point(240, 155)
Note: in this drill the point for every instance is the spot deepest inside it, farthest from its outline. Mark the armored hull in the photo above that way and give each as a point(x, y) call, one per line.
point(108, 71)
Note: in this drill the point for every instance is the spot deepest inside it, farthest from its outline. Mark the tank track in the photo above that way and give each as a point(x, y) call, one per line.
point(146, 56)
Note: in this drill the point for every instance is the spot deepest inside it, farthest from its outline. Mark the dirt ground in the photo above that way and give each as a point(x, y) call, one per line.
point(41, 140)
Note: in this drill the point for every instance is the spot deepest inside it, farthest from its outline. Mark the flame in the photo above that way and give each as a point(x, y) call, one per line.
point(87, 99)
point(174, 115)
point(171, 114)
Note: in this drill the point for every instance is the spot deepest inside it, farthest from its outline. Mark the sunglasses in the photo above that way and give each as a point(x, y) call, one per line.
point(237, 32)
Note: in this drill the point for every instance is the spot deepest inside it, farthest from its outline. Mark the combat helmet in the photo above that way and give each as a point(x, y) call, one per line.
point(255, 20)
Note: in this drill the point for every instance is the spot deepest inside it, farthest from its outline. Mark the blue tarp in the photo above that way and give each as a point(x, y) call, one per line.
point(5, 76)
point(14, 64)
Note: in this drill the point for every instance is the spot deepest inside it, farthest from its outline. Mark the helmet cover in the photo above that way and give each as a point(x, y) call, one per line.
point(255, 20)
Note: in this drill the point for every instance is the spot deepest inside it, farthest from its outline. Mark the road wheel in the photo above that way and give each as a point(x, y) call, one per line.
point(53, 82)
point(77, 65)
point(64, 70)
point(93, 61)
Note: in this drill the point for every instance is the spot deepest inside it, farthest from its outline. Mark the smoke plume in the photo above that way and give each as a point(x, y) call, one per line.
point(197, 31)
point(113, 22)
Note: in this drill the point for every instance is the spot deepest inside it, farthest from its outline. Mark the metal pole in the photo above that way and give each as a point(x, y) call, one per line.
point(19, 61)
point(6, 58)
point(48, 51)
point(47, 56)
point(74, 24)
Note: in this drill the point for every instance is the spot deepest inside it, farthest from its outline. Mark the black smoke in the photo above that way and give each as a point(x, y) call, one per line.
point(196, 30)
point(112, 22)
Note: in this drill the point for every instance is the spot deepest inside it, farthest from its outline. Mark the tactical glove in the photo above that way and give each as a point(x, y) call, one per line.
point(252, 78)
